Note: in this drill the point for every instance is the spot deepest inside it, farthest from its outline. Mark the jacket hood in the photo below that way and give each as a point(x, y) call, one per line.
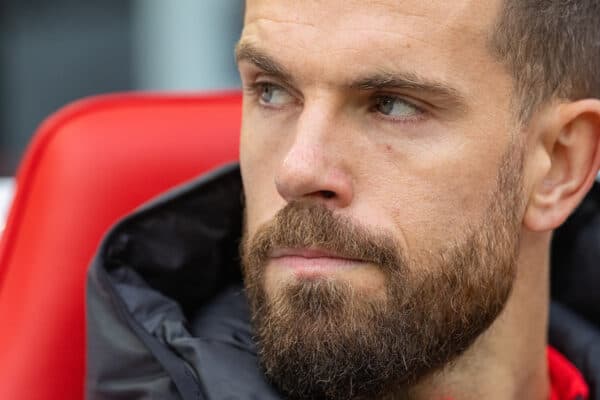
point(167, 316)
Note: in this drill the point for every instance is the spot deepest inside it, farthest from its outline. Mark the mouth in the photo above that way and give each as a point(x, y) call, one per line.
point(311, 262)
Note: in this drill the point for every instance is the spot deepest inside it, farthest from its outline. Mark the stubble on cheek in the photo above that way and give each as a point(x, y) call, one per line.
point(324, 339)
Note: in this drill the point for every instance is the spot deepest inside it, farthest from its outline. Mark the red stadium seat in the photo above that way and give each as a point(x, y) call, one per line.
point(89, 164)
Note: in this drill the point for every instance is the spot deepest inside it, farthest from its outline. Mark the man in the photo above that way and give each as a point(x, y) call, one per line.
point(404, 165)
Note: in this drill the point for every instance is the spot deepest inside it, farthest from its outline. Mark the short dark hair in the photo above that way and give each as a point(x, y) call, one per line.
point(552, 49)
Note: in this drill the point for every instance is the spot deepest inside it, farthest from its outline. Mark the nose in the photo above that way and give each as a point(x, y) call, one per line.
point(313, 167)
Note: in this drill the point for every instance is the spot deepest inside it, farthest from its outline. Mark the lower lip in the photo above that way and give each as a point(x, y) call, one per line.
point(315, 266)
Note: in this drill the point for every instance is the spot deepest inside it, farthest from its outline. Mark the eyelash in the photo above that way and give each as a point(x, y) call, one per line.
point(255, 88)
point(422, 112)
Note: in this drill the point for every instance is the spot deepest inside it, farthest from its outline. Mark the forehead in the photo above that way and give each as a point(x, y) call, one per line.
point(474, 16)
point(330, 39)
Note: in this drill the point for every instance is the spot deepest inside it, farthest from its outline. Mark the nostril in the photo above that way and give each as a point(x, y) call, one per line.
point(328, 194)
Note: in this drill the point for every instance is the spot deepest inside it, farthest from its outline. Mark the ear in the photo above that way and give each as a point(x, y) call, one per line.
point(570, 150)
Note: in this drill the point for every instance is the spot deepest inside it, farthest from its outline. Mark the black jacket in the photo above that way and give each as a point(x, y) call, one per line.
point(167, 318)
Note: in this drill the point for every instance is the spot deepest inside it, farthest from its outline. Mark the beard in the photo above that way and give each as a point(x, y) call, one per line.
point(325, 339)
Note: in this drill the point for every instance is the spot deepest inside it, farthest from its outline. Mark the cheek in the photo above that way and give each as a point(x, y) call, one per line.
point(427, 200)
point(258, 161)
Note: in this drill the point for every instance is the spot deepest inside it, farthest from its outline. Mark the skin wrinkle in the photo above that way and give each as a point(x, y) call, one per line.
point(312, 49)
point(392, 67)
point(445, 21)
point(446, 24)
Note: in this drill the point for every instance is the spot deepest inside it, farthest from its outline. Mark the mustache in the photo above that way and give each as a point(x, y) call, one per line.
point(312, 225)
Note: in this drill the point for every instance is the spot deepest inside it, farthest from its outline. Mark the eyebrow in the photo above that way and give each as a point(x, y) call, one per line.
point(247, 52)
point(442, 94)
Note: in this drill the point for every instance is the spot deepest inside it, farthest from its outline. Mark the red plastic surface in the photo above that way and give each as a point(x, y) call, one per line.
point(88, 165)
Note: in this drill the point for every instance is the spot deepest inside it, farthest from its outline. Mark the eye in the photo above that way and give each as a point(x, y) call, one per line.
point(396, 108)
point(270, 94)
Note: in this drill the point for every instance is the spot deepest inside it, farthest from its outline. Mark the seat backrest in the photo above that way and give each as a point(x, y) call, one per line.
point(88, 165)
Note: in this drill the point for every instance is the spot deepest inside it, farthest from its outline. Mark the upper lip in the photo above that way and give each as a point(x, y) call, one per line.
point(307, 253)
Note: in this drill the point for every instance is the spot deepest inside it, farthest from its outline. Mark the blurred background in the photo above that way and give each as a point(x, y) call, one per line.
point(53, 52)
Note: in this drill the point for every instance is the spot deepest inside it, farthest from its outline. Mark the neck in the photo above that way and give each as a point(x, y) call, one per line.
point(508, 361)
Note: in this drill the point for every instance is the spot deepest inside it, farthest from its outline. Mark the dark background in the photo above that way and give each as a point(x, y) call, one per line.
point(53, 52)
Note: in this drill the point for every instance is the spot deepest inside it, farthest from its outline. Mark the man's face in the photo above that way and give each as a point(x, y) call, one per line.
point(382, 179)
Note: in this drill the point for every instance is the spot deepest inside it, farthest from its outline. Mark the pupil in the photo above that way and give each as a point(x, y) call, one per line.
point(267, 93)
point(386, 105)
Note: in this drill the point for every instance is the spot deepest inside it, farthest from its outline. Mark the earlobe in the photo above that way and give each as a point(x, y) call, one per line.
point(572, 147)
